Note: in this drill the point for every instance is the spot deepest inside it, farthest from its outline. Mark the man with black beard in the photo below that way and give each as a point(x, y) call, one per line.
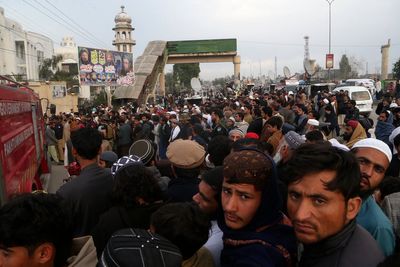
point(374, 157)
point(353, 132)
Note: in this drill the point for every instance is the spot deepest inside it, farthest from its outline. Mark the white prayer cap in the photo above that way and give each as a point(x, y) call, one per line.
point(313, 122)
point(375, 144)
point(392, 136)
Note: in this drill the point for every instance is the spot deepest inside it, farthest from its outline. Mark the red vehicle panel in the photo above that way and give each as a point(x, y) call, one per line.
point(22, 154)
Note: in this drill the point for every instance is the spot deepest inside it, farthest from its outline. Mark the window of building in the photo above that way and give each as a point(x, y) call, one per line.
point(40, 56)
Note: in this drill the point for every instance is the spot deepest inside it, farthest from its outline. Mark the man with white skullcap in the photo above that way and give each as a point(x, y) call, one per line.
point(374, 157)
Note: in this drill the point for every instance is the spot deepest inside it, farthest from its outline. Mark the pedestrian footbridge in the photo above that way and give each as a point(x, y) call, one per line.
point(149, 67)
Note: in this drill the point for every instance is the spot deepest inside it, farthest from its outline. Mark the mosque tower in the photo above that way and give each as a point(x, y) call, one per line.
point(123, 41)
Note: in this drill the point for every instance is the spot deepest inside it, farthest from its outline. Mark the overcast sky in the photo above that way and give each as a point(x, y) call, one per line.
point(264, 29)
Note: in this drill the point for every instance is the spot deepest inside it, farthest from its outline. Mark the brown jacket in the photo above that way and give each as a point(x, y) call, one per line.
point(202, 258)
point(275, 139)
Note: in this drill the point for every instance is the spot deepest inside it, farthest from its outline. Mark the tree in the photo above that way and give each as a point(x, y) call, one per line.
point(169, 83)
point(49, 67)
point(100, 98)
point(219, 82)
point(344, 67)
point(183, 73)
point(357, 66)
point(396, 70)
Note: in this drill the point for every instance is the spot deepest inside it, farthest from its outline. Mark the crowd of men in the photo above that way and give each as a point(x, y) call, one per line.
point(270, 179)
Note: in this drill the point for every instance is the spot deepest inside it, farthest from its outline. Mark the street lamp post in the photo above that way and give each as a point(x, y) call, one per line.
point(330, 4)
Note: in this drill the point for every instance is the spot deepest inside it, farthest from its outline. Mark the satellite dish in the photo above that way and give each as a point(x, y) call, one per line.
point(286, 72)
point(196, 85)
point(309, 66)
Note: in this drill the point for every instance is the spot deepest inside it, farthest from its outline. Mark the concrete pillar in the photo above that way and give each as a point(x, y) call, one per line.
point(385, 60)
point(162, 83)
point(236, 69)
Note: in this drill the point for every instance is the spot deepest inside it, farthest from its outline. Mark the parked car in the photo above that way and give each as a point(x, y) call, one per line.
point(368, 83)
point(361, 95)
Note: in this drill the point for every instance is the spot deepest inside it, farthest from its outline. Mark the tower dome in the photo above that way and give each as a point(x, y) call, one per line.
point(123, 17)
point(123, 41)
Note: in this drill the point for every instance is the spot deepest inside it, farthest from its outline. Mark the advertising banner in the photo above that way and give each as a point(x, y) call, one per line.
point(105, 67)
point(329, 61)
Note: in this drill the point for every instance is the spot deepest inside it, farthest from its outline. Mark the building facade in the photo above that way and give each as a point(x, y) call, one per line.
point(21, 52)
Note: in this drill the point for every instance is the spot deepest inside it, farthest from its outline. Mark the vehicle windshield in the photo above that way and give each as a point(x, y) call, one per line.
point(360, 96)
point(291, 88)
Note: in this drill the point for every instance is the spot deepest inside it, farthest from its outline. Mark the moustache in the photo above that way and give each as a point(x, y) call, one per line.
point(303, 224)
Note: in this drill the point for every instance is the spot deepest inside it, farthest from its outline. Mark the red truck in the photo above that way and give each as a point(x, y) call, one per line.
point(22, 127)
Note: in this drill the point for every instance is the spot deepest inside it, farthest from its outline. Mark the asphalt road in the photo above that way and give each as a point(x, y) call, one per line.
point(58, 173)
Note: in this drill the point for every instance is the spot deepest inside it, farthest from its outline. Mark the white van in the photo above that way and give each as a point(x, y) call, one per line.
point(361, 95)
point(368, 83)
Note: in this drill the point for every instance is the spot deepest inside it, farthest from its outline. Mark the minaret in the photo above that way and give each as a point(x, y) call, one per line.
point(123, 41)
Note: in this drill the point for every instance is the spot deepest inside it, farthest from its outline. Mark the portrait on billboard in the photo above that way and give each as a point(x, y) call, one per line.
point(105, 67)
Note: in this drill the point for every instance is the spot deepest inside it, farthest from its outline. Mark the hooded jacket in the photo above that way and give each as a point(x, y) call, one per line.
point(383, 129)
point(358, 134)
point(268, 240)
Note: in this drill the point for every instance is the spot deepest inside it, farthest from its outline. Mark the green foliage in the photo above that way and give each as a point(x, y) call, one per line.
point(396, 70)
point(344, 66)
point(169, 83)
point(219, 82)
point(48, 67)
point(100, 98)
point(183, 73)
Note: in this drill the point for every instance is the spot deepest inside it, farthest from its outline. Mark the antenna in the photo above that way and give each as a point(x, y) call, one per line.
point(306, 48)
point(286, 72)
point(308, 64)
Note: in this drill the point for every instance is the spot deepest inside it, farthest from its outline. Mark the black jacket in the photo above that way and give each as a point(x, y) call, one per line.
point(89, 196)
point(353, 246)
point(119, 217)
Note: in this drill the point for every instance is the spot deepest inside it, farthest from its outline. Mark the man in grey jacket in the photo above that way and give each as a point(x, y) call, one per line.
point(323, 202)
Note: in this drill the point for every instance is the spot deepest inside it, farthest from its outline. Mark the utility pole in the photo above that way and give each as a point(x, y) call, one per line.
point(330, 4)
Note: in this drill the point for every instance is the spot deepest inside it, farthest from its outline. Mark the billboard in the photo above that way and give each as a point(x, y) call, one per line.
point(202, 46)
point(105, 67)
point(329, 61)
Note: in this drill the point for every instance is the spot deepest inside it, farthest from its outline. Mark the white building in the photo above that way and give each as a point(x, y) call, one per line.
point(21, 52)
point(68, 50)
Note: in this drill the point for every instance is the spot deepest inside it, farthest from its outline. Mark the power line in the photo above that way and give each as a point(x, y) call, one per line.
point(76, 30)
point(314, 45)
point(82, 35)
point(22, 35)
point(25, 19)
point(13, 51)
point(79, 26)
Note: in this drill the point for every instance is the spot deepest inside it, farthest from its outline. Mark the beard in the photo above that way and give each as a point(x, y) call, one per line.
point(347, 136)
point(365, 193)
